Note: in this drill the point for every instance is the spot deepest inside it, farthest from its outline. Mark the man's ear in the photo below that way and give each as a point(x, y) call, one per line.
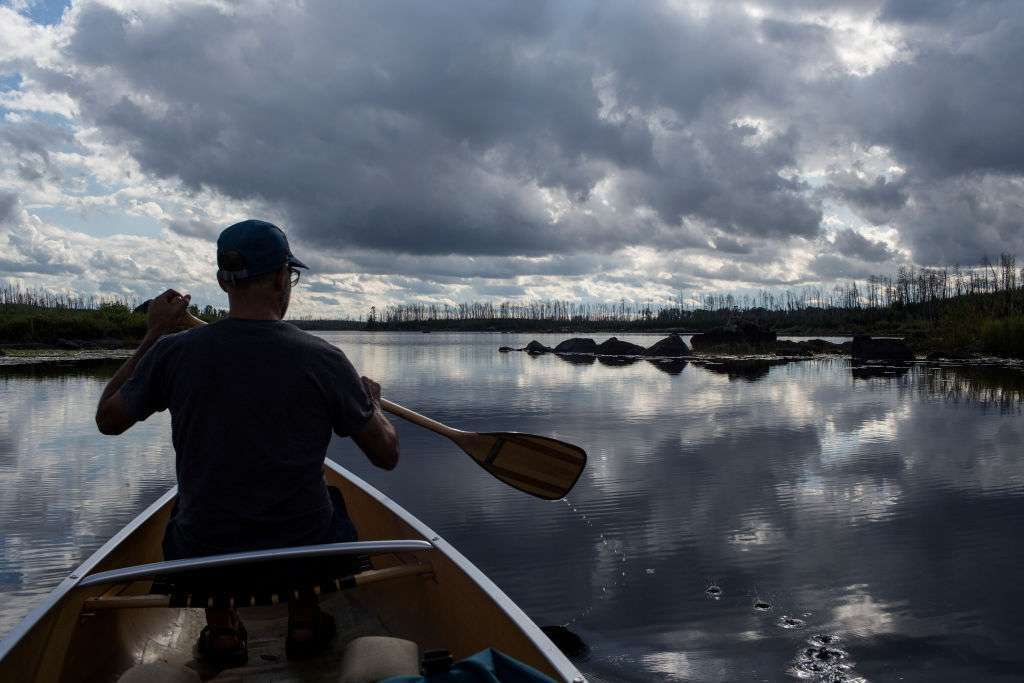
point(280, 278)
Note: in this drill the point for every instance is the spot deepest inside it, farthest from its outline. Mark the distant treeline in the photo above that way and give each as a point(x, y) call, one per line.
point(924, 291)
point(979, 308)
point(952, 309)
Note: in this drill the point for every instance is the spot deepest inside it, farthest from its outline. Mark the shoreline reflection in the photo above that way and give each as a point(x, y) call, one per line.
point(875, 510)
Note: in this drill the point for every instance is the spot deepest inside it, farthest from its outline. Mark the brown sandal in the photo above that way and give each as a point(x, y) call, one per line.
point(206, 653)
point(323, 631)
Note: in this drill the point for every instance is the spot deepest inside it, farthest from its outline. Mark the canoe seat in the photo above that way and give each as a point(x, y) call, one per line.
point(166, 593)
point(373, 658)
point(258, 577)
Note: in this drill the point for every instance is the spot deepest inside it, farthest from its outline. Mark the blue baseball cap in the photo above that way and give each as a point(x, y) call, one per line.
point(252, 248)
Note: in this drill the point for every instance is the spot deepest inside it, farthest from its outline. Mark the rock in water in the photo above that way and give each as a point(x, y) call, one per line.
point(505, 349)
point(617, 347)
point(565, 640)
point(744, 333)
point(577, 345)
point(880, 348)
point(535, 347)
point(671, 346)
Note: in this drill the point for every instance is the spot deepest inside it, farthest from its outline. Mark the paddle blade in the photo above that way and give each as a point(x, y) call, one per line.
point(543, 467)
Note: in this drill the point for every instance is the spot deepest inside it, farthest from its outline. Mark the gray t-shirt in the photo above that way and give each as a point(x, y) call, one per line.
point(253, 405)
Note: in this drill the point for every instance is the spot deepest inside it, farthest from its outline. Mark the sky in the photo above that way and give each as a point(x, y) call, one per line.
point(467, 150)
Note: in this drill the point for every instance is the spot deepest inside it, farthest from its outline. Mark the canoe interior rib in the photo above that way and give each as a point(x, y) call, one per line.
point(438, 600)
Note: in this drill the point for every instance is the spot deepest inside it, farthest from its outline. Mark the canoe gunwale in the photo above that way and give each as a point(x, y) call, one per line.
point(55, 596)
point(556, 658)
point(155, 569)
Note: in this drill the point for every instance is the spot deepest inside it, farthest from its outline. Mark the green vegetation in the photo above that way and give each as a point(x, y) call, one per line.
point(40, 318)
point(1003, 337)
point(109, 321)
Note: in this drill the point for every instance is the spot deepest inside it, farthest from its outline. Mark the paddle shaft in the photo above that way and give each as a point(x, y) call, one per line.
point(421, 420)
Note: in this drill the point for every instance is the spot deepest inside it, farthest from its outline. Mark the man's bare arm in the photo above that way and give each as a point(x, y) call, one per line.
point(378, 439)
point(164, 313)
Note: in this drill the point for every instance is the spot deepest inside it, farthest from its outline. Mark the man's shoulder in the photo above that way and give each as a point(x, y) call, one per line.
point(307, 339)
point(288, 339)
point(174, 340)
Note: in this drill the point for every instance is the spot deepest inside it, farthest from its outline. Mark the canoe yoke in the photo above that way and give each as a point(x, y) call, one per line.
point(248, 579)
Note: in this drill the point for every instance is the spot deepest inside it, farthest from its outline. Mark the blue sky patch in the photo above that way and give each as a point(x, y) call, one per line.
point(99, 222)
point(45, 12)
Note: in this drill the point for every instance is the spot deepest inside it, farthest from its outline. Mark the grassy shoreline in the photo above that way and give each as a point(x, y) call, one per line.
point(981, 324)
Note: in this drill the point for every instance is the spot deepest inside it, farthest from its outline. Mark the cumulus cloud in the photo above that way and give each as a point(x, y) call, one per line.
point(465, 149)
point(505, 130)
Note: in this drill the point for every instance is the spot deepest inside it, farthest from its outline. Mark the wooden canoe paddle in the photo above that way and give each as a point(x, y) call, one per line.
point(538, 465)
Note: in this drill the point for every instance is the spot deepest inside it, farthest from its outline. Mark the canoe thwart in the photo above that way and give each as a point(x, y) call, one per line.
point(156, 570)
point(176, 600)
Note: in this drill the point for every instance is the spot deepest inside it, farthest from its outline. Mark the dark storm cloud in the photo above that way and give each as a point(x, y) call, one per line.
point(963, 219)
point(951, 113)
point(729, 245)
point(457, 268)
point(925, 11)
point(830, 267)
point(29, 144)
point(8, 206)
point(11, 267)
point(500, 290)
point(194, 227)
point(34, 137)
point(851, 243)
point(874, 199)
point(406, 138)
point(428, 129)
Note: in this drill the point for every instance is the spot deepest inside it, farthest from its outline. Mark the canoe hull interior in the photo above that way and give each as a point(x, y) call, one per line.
point(454, 607)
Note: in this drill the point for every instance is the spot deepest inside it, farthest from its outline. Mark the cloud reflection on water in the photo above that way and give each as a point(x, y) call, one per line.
point(794, 487)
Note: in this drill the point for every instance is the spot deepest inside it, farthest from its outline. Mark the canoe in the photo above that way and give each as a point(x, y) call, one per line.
point(109, 615)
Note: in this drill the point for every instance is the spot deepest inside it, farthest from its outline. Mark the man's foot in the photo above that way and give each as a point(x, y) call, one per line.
point(308, 634)
point(222, 646)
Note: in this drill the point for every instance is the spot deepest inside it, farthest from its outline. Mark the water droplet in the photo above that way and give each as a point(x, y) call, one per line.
point(822, 639)
point(649, 571)
point(790, 622)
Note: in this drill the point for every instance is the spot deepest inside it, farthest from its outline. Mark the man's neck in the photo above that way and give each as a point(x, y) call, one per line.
point(249, 312)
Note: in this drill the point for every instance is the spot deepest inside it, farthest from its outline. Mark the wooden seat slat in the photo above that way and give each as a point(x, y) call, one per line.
point(107, 601)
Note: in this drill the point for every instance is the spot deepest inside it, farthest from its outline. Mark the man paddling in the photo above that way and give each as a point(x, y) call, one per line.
point(253, 401)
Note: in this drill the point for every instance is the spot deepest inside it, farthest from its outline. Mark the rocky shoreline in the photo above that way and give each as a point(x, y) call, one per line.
point(743, 339)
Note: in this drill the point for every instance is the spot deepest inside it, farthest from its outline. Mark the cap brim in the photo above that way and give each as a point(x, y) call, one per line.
point(296, 263)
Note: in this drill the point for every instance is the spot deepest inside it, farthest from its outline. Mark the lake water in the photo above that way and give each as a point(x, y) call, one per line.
point(731, 520)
